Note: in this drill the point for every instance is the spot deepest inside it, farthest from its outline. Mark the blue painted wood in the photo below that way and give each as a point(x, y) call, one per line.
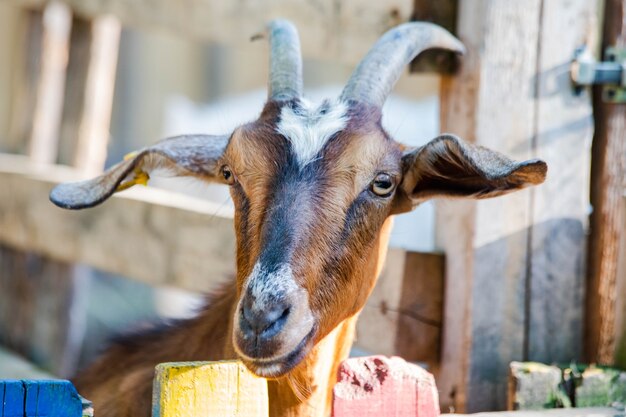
point(13, 403)
point(32, 395)
point(29, 398)
point(58, 399)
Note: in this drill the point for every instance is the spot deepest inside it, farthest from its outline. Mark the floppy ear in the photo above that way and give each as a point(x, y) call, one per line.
point(449, 167)
point(187, 155)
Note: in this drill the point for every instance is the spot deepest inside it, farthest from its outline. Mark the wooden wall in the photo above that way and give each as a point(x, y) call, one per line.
point(515, 265)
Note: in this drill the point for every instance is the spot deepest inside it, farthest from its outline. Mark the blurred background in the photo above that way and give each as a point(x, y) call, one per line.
point(468, 287)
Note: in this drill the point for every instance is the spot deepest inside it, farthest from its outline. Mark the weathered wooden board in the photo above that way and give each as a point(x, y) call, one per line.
point(157, 237)
point(560, 207)
point(514, 265)
point(406, 306)
point(88, 94)
point(46, 115)
point(13, 389)
point(533, 386)
point(608, 182)
point(620, 308)
point(489, 103)
point(189, 389)
point(559, 412)
point(30, 398)
point(27, 74)
point(377, 386)
point(329, 30)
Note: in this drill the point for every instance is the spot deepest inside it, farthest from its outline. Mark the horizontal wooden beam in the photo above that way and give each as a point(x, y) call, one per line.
point(341, 31)
point(557, 412)
point(151, 235)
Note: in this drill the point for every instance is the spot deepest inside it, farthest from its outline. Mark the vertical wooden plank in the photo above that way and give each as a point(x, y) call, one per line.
point(620, 316)
point(608, 182)
point(490, 102)
point(421, 309)
point(89, 93)
point(2, 389)
point(31, 396)
point(377, 386)
point(564, 128)
point(12, 25)
point(25, 82)
point(189, 389)
point(94, 127)
point(14, 395)
point(47, 113)
point(404, 313)
point(443, 13)
point(74, 94)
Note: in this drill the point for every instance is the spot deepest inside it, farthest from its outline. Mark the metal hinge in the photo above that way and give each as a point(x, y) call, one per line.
point(611, 73)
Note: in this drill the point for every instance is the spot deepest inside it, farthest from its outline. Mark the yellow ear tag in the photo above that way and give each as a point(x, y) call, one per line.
point(130, 155)
point(140, 177)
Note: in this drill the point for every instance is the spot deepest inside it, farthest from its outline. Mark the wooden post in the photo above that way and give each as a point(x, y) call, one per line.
point(607, 187)
point(57, 19)
point(514, 264)
point(93, 131)
point(620, 317)
point(227, 388)
point(26, 61)
point(378, 386)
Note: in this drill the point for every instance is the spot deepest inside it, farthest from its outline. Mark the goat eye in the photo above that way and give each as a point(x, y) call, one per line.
point(228, 175)
point(383, 185)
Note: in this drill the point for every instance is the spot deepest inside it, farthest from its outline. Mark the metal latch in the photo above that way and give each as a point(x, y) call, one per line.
point(611, 73)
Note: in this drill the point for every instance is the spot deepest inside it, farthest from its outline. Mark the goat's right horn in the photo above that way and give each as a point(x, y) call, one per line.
point(381, 68)
point(285, 82)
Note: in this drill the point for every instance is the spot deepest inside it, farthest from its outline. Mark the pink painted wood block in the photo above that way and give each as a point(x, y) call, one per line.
point(383, 387)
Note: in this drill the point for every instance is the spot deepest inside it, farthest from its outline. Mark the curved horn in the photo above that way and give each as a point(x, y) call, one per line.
point(381, 68)
point(285, 81)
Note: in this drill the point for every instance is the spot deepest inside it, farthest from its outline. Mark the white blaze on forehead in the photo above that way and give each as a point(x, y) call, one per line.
point(308, 128)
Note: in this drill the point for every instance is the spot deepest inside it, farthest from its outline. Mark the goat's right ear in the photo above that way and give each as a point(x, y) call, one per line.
point(187, 155)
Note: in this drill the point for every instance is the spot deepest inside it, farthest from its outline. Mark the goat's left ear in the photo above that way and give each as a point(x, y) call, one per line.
point(449, 167)
point(187, 155)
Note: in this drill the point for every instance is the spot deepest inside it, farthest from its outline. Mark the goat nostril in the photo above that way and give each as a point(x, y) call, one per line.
point(275, 326)
point(265, 323)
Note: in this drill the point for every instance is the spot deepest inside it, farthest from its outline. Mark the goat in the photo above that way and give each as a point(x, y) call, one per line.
point(315, 188)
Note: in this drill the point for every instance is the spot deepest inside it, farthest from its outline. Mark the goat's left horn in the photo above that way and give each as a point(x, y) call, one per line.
point(285, 81)
point(381, 68)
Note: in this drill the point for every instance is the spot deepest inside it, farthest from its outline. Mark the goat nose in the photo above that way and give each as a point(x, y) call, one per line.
point(265, 322)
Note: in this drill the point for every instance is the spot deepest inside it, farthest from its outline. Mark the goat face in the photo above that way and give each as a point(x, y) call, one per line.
point(313, 187)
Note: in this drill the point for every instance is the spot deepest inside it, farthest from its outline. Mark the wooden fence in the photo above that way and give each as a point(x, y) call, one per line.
point(369, 386)
point(514, 266)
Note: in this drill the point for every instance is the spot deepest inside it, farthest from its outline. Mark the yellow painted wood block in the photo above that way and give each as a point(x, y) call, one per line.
point(193, 389)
